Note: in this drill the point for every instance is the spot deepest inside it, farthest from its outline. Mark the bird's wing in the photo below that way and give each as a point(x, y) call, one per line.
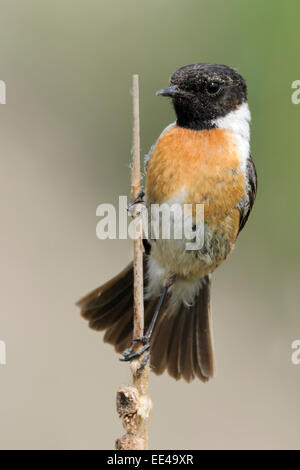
point(246, 205)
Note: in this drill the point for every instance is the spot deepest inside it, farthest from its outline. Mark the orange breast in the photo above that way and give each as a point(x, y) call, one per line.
point(202, 165)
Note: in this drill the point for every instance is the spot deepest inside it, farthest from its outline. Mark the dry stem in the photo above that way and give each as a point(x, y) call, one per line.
point(133, 403)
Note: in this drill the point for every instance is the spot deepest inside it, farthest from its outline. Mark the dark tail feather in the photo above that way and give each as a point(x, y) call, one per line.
point(182, 339)
point(204, 340)
point(102, 296)
point(161, 341)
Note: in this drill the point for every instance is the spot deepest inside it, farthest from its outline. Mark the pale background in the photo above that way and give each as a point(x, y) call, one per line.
point(65, 139)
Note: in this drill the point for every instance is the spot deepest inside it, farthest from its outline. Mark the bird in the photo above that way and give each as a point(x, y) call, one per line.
point(203, 158)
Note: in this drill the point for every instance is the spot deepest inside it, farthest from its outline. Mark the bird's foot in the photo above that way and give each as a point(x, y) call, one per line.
point(130, 353)
point(139, 199)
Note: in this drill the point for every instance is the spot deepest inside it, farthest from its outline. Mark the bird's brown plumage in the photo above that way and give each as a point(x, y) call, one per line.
point(182, 340)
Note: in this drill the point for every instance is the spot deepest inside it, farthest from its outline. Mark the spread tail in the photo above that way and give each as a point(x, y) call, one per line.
point(182, 338)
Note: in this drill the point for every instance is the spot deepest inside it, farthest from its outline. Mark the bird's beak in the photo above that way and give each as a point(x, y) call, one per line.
point(170, 91)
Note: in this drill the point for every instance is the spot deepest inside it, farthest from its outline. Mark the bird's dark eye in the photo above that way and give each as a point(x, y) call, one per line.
point(212, 87)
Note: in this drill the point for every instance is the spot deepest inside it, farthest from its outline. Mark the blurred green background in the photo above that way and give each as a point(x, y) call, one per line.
point(65, 136)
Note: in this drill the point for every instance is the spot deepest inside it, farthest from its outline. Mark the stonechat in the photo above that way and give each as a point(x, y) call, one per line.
point(201, 158)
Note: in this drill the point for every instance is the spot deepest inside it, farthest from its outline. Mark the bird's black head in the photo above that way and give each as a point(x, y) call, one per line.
point(202, 93)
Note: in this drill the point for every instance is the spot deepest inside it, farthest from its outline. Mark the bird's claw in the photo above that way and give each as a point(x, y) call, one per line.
point(131, 208)
point(142, 339)
point(130, 353)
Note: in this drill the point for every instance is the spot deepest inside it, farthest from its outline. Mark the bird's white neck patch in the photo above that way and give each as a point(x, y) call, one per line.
point(238, 122)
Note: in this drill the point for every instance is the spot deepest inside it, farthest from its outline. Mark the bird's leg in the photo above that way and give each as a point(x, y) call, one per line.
point(130, 353)
point(139, 199)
